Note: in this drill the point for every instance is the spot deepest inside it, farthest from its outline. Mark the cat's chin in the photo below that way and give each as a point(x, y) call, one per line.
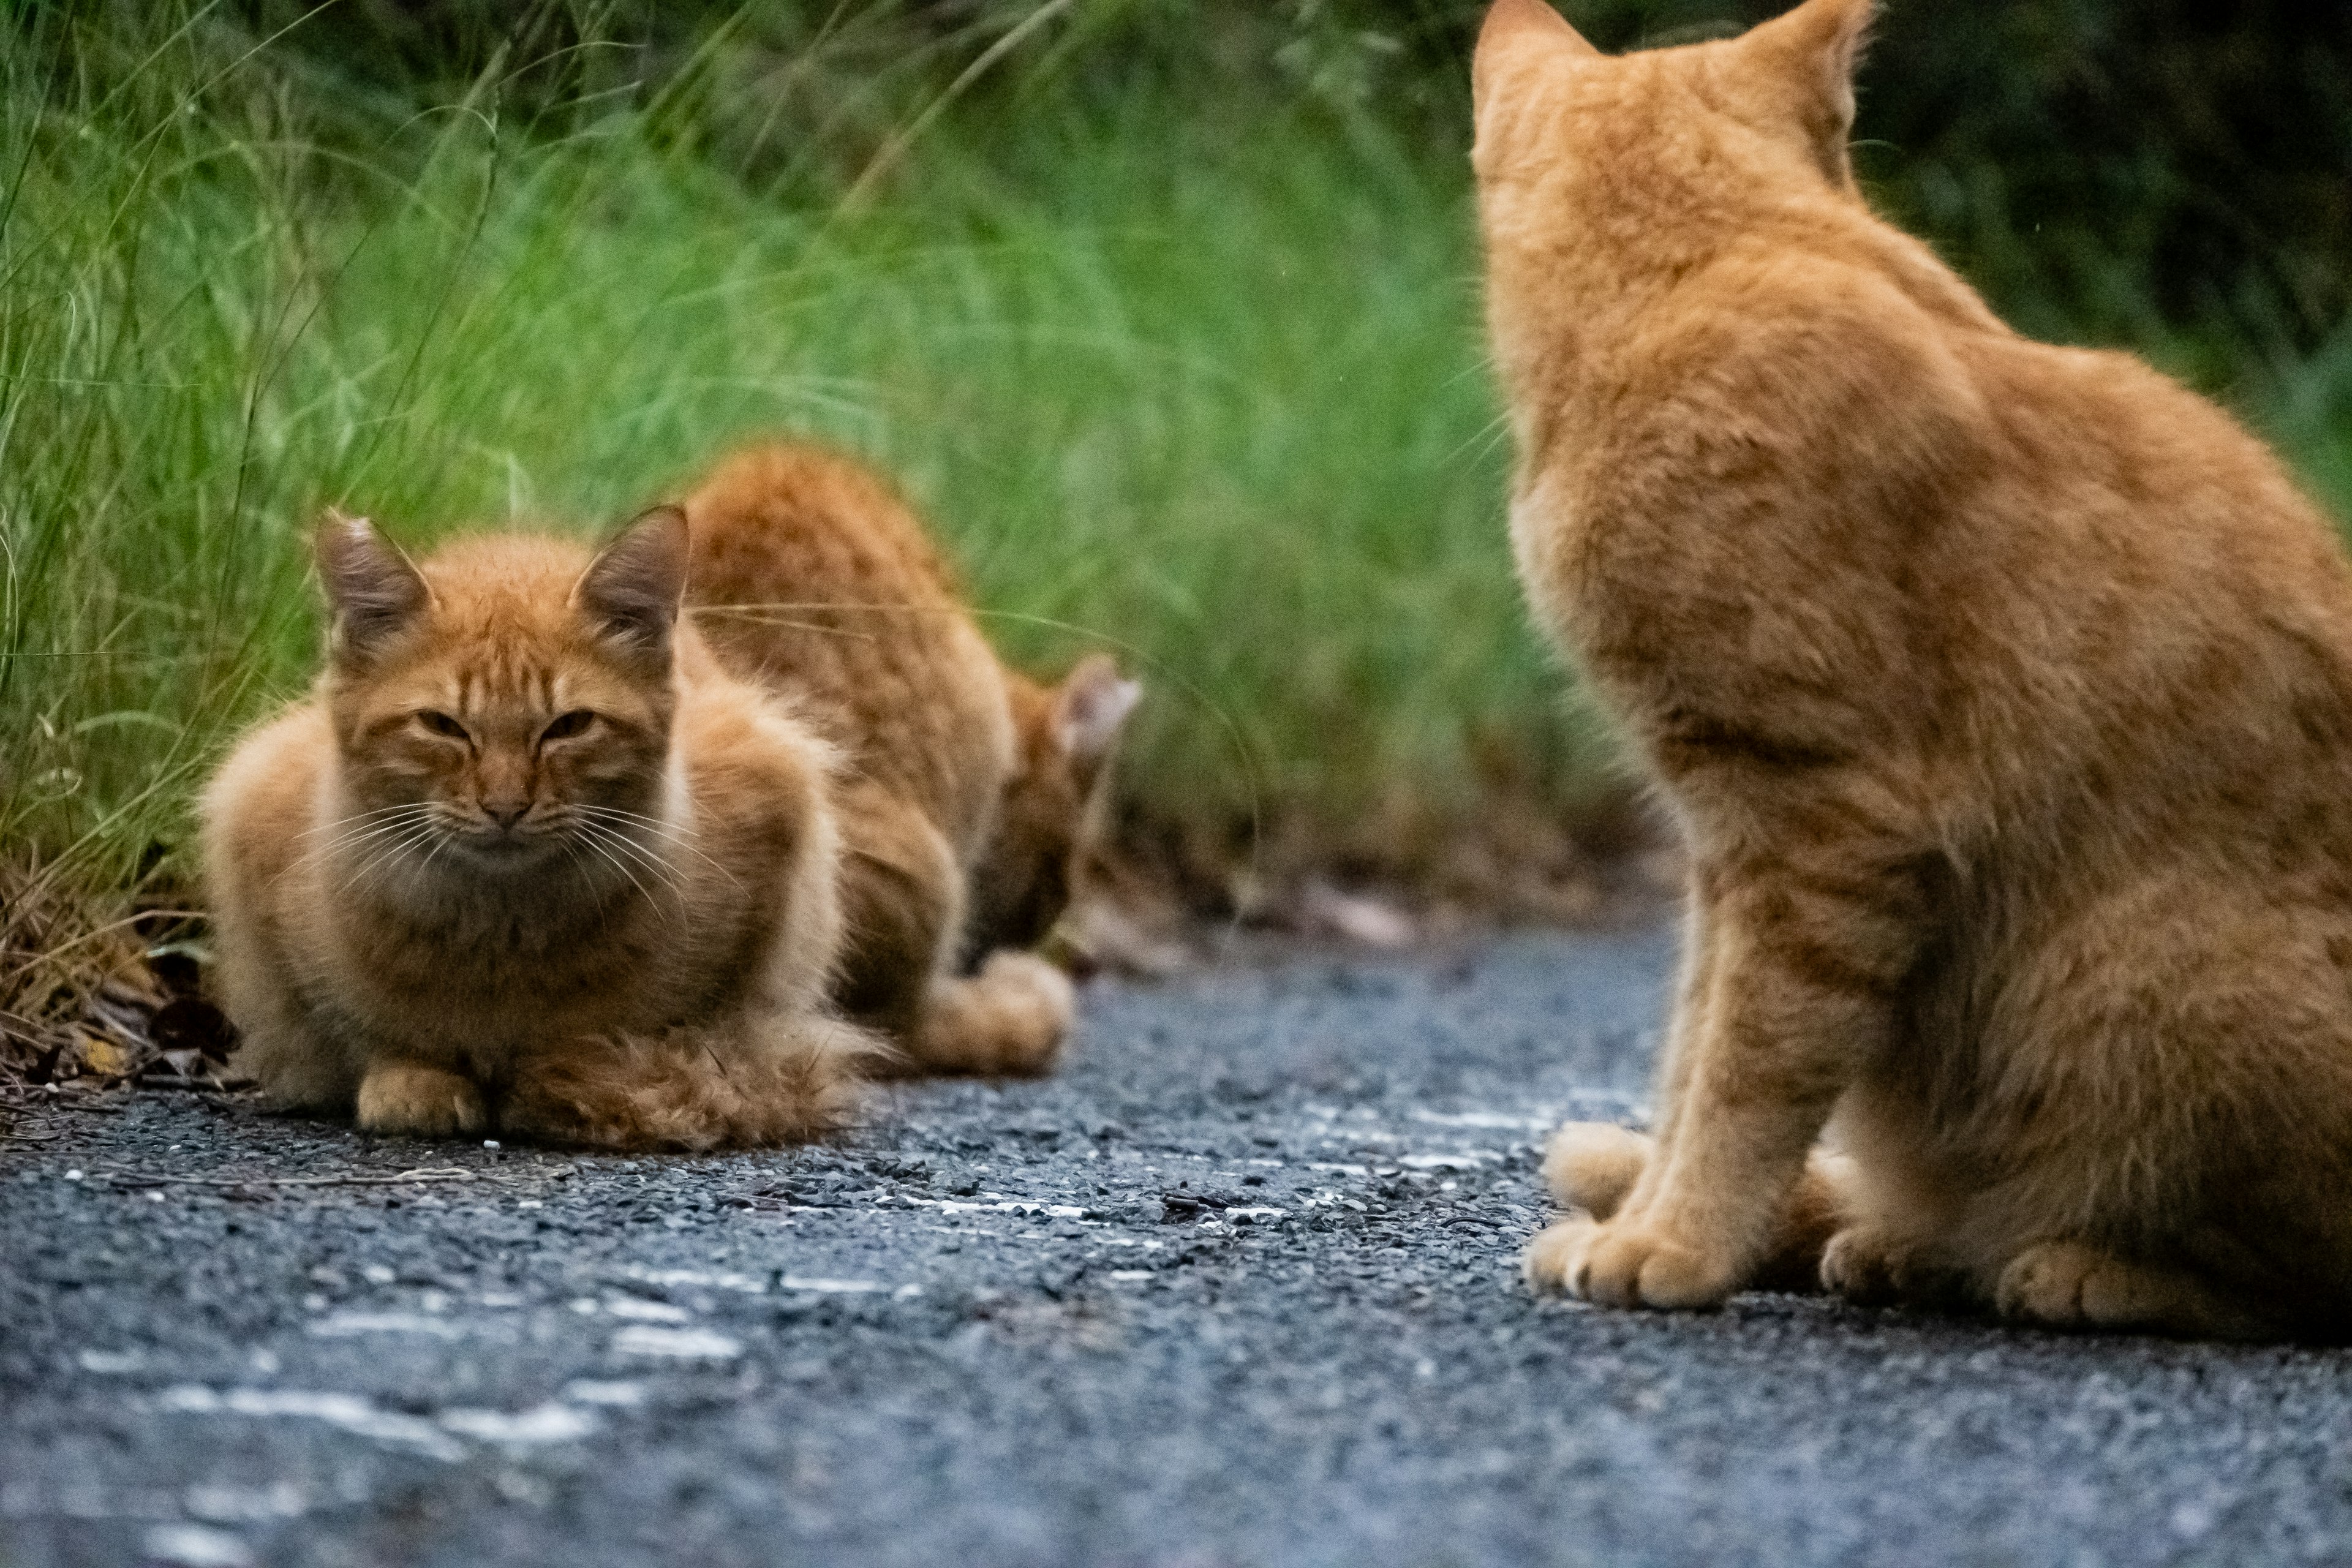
point(499, 852)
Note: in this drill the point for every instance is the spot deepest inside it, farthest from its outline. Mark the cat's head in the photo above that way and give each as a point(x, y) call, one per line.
point(1649, 160)
point(1054, 803)
point(508, 697)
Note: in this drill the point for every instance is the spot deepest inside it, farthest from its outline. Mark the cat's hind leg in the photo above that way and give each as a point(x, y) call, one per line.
point(1592, 1165)
point(416, 1100)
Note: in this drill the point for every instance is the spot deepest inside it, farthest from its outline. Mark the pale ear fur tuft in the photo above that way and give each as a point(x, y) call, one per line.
point(1520, 28)
point(373, 590)
point(630, 591)
point(1511, 22)
point(1091, 706)
point(1816, 49)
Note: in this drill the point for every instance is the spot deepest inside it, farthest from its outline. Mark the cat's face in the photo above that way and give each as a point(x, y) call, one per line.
point(508, 701)
point(1052, 805)
point(1654, 155)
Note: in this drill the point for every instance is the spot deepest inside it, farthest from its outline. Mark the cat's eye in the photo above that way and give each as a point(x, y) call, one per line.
point(441, 724)
point(563, 726)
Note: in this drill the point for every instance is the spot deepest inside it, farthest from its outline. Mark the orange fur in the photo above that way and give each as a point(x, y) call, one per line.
point(2004, 693)
point(528, 860)
point(967, 786)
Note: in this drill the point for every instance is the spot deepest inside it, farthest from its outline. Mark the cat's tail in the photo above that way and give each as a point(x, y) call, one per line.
point(746, 1084)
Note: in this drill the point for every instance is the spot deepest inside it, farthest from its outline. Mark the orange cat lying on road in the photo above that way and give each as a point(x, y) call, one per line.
point(2004, 693)
point(528, 860)
point(965, 787)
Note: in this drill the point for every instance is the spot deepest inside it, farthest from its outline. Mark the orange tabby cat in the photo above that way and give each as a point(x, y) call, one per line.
point(527, 860)
point(2004, 693)
point(966, 785)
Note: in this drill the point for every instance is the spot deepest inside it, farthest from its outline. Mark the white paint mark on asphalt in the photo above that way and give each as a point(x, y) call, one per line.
point(675, 1344)
point(830, 1286)
point(591, 1391)
point(246, 1505)
point(341, 1325)
point(1498, 1119)
point(670, 1278)
point(530, 1428)
point(1130, 1275)
point(644, 1311)
point(998, 1202)
point(195, 1546)
point(111, 1363)
point(345, 1412)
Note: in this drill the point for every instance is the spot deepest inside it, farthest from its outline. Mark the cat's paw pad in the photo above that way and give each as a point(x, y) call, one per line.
point(2067, 1284)
point(1628, 1265)
point(1591, 1165)
point(406, 1100)
point(1868, 1267)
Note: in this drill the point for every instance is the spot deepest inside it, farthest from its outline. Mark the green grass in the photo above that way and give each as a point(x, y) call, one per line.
point(1207, 391)
point(1201, 381)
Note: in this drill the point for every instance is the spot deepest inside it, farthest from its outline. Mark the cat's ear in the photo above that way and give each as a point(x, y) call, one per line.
point(1090, 707)
point(1516, 31)
point(372, 589)
point(630, 592)
point(1811, 54)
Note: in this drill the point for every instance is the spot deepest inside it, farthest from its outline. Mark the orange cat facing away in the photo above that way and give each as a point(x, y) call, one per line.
point(966, 787)
point(529, 859)
point(2003, 693)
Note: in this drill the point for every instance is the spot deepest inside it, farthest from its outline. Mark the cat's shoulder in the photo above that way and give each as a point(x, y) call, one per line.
point(261, 801)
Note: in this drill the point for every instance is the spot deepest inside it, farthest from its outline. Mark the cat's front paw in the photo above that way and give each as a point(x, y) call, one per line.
point(409, 1099)
point(1628, 1265)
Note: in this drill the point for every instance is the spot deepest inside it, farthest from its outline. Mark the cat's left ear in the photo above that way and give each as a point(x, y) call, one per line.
point(1811, 53)
point(1090, 707)
point(1519, 32)
point(632, 590)
point(375, 592)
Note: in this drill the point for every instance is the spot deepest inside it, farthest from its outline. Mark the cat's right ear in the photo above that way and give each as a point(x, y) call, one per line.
point(373, 590)
point(1810, 55)
point(1517, 32)
point(631, 592)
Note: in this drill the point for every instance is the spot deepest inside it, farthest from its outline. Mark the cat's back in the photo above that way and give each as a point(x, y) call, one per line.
point(812, 575)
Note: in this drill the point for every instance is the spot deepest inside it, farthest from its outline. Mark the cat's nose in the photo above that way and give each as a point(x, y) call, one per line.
point(506, 813)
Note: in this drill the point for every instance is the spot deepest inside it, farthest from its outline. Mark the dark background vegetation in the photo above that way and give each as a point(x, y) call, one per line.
point(2103, 168)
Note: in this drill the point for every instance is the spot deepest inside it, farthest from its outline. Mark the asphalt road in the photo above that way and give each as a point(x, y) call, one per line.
point(985, 1333)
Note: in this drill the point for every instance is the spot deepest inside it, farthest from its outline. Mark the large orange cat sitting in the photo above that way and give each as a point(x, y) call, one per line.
point(965, 786)
point(2004, 693)
point(528, 860)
